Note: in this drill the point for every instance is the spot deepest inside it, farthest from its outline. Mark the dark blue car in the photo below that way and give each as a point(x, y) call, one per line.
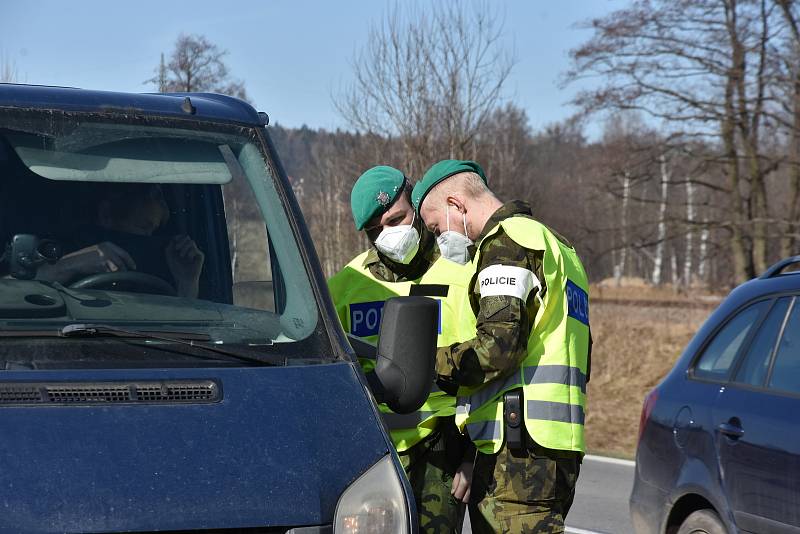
point(719, 445)
point(170, 359)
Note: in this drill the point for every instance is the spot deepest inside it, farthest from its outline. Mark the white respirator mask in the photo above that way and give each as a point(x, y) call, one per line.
point(399, 243)
point(453, 245)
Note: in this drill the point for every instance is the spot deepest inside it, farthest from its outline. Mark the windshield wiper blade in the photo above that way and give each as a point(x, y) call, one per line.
point(95, 329)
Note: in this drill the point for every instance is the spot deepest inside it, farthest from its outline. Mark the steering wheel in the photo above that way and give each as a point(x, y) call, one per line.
point(133, 281)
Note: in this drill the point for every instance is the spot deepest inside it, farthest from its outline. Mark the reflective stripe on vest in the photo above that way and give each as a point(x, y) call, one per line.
point(485, 431)
point(399, 421)
point(542, 410)
point(553, 375)
point(554, 411)
point(541, 374)
point(358, 297)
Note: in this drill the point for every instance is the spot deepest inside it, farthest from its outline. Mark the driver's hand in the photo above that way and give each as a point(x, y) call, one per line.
point(185, 262)
point(462, 482)
point(103, 257)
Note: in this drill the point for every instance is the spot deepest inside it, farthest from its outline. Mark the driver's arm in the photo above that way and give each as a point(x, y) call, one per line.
point(185, 263)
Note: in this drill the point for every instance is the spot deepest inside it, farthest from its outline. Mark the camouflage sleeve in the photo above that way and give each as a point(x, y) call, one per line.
point(503, 322)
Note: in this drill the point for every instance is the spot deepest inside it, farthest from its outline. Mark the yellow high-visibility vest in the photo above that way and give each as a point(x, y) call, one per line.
point(553, 375)
point(359, 298)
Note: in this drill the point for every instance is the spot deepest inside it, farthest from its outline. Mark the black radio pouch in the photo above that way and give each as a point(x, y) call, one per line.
point(512, 417)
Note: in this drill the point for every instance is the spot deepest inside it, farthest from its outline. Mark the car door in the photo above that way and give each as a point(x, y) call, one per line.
point(758, 426)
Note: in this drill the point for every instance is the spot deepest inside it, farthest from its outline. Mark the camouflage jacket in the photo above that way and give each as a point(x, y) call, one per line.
point(503, 322)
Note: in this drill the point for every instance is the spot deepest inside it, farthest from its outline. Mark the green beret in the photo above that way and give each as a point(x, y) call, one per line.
point(438, 172)
point(374, 192)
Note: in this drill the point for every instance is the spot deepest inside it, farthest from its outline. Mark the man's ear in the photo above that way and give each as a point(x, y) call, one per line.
point(457, 202)
point(418, 223)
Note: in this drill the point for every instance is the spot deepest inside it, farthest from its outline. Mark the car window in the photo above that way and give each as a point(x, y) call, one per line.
point(786, 370)
point(146, 226)
point(249, 251)
point(719, 355)
point(759, 355)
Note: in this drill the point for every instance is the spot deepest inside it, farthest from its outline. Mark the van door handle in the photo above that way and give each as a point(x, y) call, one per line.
point(731, 430)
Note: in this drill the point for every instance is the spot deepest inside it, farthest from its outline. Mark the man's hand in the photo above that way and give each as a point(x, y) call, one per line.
point(185, 262)
point(462, 482)
point(104, 257)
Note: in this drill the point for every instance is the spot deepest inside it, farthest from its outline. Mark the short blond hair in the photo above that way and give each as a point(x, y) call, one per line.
point(469, 184)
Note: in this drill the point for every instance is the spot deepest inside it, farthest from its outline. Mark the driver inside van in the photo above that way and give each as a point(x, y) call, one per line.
point(122, 239)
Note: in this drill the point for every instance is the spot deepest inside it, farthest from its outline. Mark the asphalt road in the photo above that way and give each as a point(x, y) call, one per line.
point(601, 499)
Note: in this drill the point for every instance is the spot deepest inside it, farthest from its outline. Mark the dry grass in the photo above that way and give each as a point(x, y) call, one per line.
point(635, 346)
point(609, 291)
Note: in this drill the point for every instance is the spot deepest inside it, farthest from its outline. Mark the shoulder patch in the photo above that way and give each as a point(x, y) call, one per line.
point(577, 302)
point(491, 306)
point(507, 280)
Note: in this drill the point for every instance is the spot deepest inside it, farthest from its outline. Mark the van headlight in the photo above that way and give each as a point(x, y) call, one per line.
point(374, 504)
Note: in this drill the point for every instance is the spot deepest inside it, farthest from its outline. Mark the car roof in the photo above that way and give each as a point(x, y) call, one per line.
point(201, 106)
point(773, 281)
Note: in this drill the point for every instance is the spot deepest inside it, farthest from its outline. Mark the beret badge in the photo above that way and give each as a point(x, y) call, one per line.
point(382, 198)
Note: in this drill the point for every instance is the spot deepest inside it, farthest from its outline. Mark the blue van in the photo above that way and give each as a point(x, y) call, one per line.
point(169, 356)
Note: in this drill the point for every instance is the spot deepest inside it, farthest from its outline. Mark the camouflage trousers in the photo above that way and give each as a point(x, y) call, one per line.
point(430, 467)
point(531, 491)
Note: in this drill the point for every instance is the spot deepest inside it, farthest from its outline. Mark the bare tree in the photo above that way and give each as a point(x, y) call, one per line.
point(504, 148)
point(789, 78)
point(619, 269)
point(429, 79)
point(161, 80)
point(658, 261)
point(702, 270)
point(8, 69)
point(196, 65)
point(690, 221)
point(702, 69)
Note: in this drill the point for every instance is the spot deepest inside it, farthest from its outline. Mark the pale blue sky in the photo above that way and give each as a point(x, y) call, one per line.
point(291, 54)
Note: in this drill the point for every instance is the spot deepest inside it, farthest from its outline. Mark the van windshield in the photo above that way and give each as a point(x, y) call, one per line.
point(123, 238)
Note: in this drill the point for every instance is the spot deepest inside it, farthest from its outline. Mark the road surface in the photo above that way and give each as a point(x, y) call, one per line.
point(601, 499)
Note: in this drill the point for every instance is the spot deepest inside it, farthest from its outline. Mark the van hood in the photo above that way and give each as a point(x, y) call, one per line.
point(277, 449)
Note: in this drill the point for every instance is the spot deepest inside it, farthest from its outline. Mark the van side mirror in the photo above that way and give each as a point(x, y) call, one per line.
point(406, 352)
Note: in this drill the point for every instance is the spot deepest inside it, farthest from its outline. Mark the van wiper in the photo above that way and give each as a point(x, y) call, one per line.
point(95, 330)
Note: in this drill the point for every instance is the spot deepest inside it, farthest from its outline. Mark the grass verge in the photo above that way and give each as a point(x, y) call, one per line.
point(635, 346)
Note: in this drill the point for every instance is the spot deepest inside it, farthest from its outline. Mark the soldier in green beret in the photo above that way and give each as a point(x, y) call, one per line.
point(522, 375)
point(403, 260)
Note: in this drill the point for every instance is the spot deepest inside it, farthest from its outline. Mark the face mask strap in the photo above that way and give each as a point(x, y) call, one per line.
point(463, 219)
